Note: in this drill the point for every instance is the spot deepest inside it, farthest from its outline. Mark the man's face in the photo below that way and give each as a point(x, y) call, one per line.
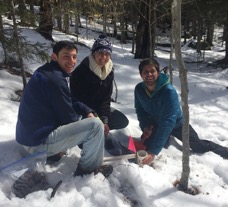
point(149, 75)
point(101, 58)
point(67, 59)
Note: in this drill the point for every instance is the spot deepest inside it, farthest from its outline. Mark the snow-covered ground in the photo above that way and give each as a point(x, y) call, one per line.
point(129, 184)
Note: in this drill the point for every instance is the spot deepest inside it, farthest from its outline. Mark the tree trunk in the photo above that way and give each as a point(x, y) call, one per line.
point(226, 37)
point(105, 5)
point(210, 30)
point(17, 45)
point(133, 29)
point(3, 41)
point(194, 29)
point(141, 39)
point(67, 18)
point(58, 5)
point(145, 35)
point(224, 61)
point(32, 13)
point(122, 30)
point(152, 26)
point(114, 19)
point(22, 12)
point(45, 23)
point(66, 23)
point(171, 58)
point(176, 12)
point(114, 28)
point(76, 21)
point(142, 34)
point(199, 36)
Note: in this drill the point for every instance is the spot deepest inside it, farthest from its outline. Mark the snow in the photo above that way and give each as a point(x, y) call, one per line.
point(129, 184)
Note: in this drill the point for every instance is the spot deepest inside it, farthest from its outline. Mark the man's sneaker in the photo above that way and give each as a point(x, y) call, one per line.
point(56, 157)
point(106, 170)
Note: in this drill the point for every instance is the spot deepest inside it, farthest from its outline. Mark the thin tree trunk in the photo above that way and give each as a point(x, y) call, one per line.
point(199, 36)
point(171, 59)
point(210, 29)
point(105, 5)
point(66, 22)
point(133, 30)
point(59, 14)
point(226, 37)
point(45, 23)
point(122, 30)
point(145, 35)
point(76, 20)
point(22, 12)
point(152, 22)
point(176, 12)
point(150, 28)
point(3, 41)
point(32, 13)
point(17, 45)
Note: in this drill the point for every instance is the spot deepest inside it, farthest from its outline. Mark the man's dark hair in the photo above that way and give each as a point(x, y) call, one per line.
point(64, 44)
point(148, 61)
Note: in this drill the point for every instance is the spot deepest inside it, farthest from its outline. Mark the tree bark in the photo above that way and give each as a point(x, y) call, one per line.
point(105, 5)
point(58, 6)
point(226, 37)
point(67, 17)
point(45, 23)
point(171, 59)
point(210, 30)
point(145, 35)
point(17, 45)
point(176, 12)
point(22, 12)
point(141, 38)
point(3, 41)
point(32, 13)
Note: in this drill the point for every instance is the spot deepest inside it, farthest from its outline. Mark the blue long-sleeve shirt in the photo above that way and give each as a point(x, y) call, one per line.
point(161, 109)
point(46, 104)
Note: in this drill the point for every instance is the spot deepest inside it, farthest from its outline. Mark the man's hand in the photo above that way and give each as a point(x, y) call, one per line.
point(148, 159)
point(147, 131)
point(106, 129)
point(90, 115)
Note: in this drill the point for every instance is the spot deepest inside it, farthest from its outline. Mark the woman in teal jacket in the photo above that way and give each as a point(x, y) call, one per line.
point(159, 113)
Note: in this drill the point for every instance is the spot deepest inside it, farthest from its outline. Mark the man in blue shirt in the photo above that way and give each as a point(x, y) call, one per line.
point(49, 119)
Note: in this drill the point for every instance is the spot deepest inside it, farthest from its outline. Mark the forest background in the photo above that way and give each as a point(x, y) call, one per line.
point(140, 23)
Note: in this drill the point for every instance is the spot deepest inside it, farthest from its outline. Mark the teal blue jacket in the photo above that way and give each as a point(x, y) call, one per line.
point(161, 109)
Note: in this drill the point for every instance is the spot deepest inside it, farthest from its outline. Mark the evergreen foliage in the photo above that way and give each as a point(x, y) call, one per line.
point(138, 21)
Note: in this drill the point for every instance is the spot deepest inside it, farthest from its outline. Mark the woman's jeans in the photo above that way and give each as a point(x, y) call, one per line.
point(89, 132)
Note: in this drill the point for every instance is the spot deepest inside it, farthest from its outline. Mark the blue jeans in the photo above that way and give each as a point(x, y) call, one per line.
point(89, 132)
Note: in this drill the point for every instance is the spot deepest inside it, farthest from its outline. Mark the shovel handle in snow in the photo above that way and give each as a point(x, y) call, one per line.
point(56, 188)
point(120, 157)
